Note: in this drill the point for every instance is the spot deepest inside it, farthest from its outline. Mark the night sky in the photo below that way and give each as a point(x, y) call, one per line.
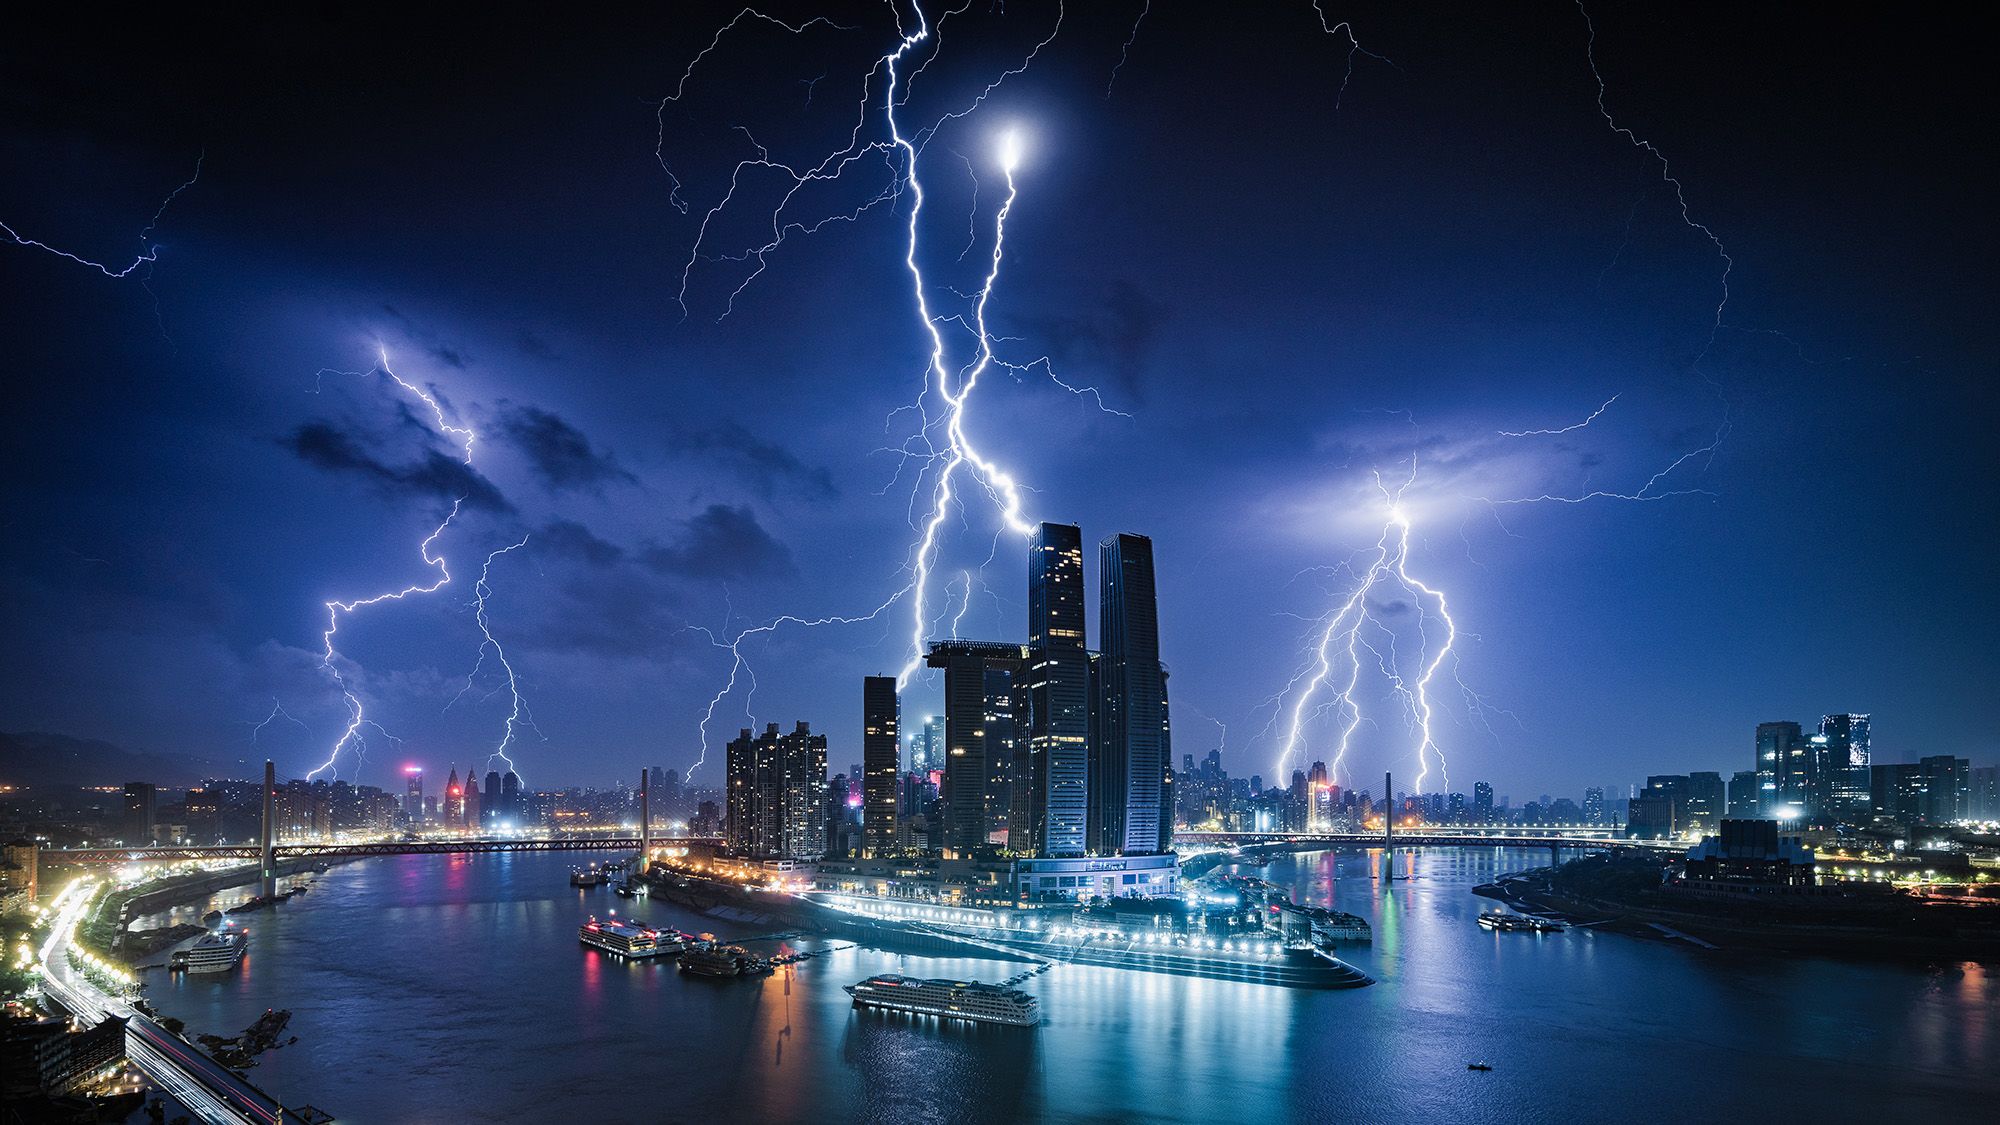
point(1274, 297)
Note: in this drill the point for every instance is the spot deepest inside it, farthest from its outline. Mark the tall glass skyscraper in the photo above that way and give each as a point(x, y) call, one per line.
point(881, 770)
point(1133, 754)
point(1056, 687)
point(1846, 756)
point(973, 671)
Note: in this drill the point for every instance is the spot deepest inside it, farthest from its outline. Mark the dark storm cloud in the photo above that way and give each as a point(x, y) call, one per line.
point(767, 466)
point(533, 346)
point(1116, 336)
point(447, 354)
point(722, 543)
point(561, 455)
point(436, 476)
point(572, 540)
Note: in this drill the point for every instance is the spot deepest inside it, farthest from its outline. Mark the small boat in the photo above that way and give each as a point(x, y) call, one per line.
point(1519, 923)
point(1478, 1066)
point(710, 960)
point(588, 878)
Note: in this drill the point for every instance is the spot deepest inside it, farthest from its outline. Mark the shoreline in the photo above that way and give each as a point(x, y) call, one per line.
point(1535, 891)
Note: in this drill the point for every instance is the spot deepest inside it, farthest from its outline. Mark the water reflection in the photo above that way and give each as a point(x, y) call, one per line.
point(447, 988)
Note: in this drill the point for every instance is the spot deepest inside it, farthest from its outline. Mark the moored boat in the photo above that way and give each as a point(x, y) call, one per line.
point(630, 940)
point(971, 1001)
point(212, 953)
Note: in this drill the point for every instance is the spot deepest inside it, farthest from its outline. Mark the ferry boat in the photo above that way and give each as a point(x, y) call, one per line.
point(710, 960)
point(948, 999)
point(629, 940)
point(588, 878)
point(214, 953)
point(1519, 923)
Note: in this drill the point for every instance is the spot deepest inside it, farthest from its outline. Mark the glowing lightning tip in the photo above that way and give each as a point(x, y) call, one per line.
point(1010, 150)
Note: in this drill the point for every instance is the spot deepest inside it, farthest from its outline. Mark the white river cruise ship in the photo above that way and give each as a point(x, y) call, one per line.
point(948, 999)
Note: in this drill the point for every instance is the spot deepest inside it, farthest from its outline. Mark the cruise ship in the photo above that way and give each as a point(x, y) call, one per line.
point(627, 939)
point(1253, 958)
point(214, 953)
point(948, 999)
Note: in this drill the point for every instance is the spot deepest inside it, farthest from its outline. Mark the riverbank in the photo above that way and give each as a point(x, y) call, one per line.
point(1628, 897)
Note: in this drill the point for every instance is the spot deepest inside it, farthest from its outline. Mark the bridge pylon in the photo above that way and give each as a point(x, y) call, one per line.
point(268, 873)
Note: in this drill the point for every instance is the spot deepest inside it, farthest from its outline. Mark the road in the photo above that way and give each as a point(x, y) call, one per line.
point(199, 1083)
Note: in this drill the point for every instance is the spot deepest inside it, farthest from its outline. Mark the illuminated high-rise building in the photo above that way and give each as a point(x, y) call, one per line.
point(413, 794)
point(1783, 770)
point(453, 813)
point(1844, 752)
point(490, 812)
point(471, 821)
point(973, 669)
point(777, 794)
point(1133, 755)
point(1057, 692)
point(881, 769)
point(512, 811)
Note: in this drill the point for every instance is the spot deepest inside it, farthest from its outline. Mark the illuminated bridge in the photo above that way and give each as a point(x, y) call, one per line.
point(352, 851)
point(1435, 837)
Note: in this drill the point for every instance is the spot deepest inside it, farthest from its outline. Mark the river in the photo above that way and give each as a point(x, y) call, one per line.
point(452, 988)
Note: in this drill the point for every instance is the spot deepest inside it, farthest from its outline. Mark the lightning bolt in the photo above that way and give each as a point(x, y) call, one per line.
point(1342, 636)
point(519, 716)
point(1354, 48)
point(948, 462)
point(277, 711)
point(148, 253)
point(1666, 176)
point(1125, 52)
point(1594, 416)
point(352, 736)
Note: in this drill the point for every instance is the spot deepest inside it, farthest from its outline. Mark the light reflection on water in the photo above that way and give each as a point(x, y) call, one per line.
point(443, 988)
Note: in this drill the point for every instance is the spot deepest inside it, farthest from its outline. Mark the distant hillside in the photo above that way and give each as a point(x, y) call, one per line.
point(57, 761)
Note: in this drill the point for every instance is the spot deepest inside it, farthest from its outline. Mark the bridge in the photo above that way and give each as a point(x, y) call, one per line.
point(357, 851)
point(1438, 837)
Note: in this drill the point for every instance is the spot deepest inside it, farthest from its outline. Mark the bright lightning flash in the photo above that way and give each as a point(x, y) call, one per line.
point(961, 350)
point(1357, 624)
point(352, 736)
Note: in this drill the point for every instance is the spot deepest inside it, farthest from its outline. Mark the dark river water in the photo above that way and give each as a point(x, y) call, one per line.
point(452, 989)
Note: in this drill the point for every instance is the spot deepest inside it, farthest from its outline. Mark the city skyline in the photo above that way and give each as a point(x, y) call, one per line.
point(177, 539)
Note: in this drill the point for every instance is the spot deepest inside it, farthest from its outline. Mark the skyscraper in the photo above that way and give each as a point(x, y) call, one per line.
point(139, 814)
point(453, 813)
point(413, 793)
point(999, 737)
point(777, 794)
point(1743, 795)
point(511, 809)
point(972, 669)
point(1133, 756)
point(1846, 755)
point(1057, 692)
point(490, 812)
point(1783, 765)
point(739, 768)
point(880, 716)
point(1707, 800)
point(472, 805)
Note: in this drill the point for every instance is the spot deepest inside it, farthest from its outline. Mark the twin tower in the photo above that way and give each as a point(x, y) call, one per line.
point(1052, 749)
